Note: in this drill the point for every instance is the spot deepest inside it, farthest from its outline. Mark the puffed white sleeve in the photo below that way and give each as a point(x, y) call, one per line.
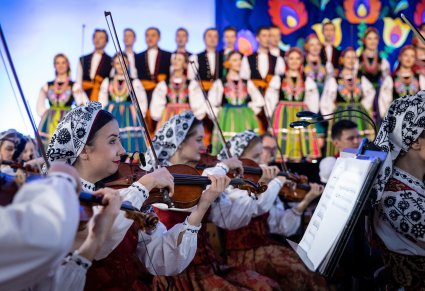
point(79, 94)
point(233, 209)
point(280, 66)
point(385, 68)
point(215, 94)
point(327, 103)
point(193, 62)
point(103, 92)
point(37, 230)
point(79, 77)
point(271, 97)
point(311, 95)
point(385, 95)
point(160, 251)
point(41, 101)
point(136, 194)
point(266, 200)
point(245, 72)
point(422, 82)
point(368, 93)
point(283, 221)
point(158, 101)
point(196, 100)
point(257, 100)
point(142, 99)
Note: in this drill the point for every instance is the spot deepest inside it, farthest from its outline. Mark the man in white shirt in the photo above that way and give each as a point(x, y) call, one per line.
point(209, 65)
point(330, 54)
point(94, 67)
point(229, 41)
point(153, 66)
point(38, 228)
point(260, 67)
point(129, 40)
point(274, 42)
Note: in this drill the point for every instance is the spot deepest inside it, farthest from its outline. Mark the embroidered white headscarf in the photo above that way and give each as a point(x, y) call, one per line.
point(401, 127)
point(237, 144)
point(72, 132)
point(168, 138)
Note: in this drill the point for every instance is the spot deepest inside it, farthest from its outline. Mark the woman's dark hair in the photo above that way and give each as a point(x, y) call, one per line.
point(192, 128)
point(253, 143)
point(102, 118)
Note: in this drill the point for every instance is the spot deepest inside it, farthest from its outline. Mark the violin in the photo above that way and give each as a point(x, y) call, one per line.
point(253, 172)
point(10, 185)
point(189, 185)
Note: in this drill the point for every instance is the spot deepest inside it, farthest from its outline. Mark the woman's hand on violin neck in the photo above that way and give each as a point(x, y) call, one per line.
point(160, 178)
point(100, 224)
point(234, 164)
point(218, 185)
point(38, 162)
point(315, 191)
point(269, 173)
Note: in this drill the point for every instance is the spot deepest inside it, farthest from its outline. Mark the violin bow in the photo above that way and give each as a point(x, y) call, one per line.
point(24, 100)
point(132, 93)
point(413, 28)
point(207, 101)
point(273, 134)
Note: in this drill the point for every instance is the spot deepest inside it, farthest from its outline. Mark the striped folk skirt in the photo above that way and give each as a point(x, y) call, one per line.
point(232, 120)
point(170, 110)
point(296, 144)
point(49, 122)
point(131, 134)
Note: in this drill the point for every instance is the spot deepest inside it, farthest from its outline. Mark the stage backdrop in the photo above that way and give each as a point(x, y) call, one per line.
point(297, 19)
point(37, 30)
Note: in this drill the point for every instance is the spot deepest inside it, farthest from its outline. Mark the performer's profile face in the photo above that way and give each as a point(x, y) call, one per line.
point(350, 138)
point(193, 146)
point(407, 58)
point(102, 158)
point(7, 149)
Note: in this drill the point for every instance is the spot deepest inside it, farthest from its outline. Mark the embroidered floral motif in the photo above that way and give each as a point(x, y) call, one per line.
point(237, 144)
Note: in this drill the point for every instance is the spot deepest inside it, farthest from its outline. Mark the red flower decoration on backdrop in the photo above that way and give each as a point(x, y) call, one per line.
point(289, 16)
point(366, 11)
point(419, 15)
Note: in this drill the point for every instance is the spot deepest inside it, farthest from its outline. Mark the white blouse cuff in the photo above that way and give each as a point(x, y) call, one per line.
point(78, 259)
point(140, 188)
point(191, 228)
point(223, 166)
point(296, 212)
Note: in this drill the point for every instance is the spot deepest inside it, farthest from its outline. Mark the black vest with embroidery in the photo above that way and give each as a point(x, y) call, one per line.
point(162, 66)
point(255, 74)
point(103, 70)
point(204, 67)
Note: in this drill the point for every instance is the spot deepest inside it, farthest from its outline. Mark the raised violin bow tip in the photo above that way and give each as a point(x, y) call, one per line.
point(107, 13)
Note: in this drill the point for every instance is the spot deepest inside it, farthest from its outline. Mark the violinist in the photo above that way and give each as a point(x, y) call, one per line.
point(88, 139)
point(38, 228)
point(180, 141)
point(252, 246)
point(8, 140)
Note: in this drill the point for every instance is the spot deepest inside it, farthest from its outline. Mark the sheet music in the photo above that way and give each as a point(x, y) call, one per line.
point(334, 208)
